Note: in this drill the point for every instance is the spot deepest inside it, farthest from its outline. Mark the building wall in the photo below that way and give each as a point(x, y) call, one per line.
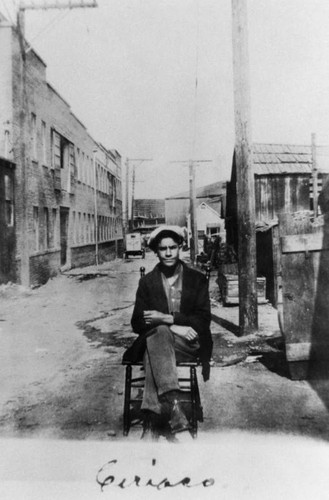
point(177, 210)
point(61, 168)
point(277, 193)
point(6, 90)
point(207, 218)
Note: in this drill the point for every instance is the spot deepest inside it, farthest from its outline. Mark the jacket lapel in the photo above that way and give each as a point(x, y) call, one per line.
point(186, 289)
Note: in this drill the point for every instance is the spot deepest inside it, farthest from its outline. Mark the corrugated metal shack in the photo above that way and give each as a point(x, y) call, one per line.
point(283, 183)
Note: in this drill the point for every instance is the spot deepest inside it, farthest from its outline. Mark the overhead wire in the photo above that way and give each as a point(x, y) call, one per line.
point(4, 3)
point(46, 28)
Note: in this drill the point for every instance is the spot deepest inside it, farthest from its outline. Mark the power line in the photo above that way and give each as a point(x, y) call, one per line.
point(46, 28)
point(8, 12)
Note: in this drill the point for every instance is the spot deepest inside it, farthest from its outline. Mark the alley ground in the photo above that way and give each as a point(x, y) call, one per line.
point(61, 375)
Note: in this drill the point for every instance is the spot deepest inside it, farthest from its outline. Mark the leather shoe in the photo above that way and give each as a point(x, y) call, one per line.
point(178, 421)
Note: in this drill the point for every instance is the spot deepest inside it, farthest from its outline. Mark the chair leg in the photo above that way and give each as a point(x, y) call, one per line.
point(194, 390)
point(126, 408)
point(199, 408)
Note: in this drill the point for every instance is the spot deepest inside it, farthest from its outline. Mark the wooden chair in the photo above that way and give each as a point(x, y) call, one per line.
point(134, 386)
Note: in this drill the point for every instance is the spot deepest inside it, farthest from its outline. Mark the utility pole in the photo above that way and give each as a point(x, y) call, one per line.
point(193, 218)
point(192, 194)
point(126, 214)
point(248, 313)
point(314, 176)
point(133, 161)
point(24, 148)
point(95, 207)
point(24, 154)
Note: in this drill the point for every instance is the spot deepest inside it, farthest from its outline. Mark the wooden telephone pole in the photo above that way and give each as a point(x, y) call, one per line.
point(192, 194)
point(134, 166)
point(314, 176)
point(248, 313)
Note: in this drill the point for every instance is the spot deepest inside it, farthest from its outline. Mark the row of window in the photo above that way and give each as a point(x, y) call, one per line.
point(84, 229)
point(88, 169)
point(88, 172)
point(45, 228)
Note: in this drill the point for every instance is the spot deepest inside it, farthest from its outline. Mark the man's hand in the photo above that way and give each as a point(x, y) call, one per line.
point(154, 318)
point(187, 332)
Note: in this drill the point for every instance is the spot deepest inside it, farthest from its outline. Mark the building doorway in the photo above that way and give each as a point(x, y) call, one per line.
point(7, 222)
point(64, 224)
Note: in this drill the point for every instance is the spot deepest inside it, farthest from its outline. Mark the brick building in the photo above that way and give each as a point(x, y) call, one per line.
point(60, 190)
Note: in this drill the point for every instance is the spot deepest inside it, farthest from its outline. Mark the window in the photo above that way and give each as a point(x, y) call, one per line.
point(92, 228)
point(46, 227)
point(79, 228)
point(36, 228)
point(83, 177)
point(34, 135)
point(53, 238)
point(87, 170)
point(74, 236)
point(84, 237)
point(6, 143)
point(78, 164)
point(9, 201)
point(43, 143)
point(89, 230)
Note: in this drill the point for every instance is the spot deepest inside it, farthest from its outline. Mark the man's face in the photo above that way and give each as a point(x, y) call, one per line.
point(168, 252)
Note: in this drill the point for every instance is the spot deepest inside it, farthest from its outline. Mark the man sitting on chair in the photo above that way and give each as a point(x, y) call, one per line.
point(172, 317)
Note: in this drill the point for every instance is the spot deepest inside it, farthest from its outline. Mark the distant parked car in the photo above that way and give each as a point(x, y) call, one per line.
point(134, 245)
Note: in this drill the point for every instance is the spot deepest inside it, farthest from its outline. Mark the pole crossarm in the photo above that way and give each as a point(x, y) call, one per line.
point(191, 161)
point(57, 5)
point(140, 159)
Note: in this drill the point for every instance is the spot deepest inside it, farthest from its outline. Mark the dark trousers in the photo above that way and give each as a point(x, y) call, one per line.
point(163, 350)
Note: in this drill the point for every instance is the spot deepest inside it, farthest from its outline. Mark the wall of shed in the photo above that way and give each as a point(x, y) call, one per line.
point(277, 193)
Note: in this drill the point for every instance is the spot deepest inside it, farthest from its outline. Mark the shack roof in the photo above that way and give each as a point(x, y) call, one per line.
point(210, 190)
point(274, 159)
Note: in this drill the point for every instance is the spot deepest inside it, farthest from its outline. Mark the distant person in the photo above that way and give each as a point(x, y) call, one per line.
point(205, 244)
point(172, 317)
point(215, 251)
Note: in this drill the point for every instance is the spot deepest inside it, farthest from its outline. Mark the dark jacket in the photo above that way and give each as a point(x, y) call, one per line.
point(194, 308)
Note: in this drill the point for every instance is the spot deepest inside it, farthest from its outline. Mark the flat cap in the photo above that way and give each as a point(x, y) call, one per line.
point(165, 231)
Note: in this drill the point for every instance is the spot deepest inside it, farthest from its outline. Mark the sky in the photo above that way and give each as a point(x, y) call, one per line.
point(128, 69)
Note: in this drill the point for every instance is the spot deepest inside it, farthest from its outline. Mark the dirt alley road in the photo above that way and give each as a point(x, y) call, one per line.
point(60, 363)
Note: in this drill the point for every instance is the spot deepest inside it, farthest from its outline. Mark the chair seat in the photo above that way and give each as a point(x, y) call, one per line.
point(182, 363)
